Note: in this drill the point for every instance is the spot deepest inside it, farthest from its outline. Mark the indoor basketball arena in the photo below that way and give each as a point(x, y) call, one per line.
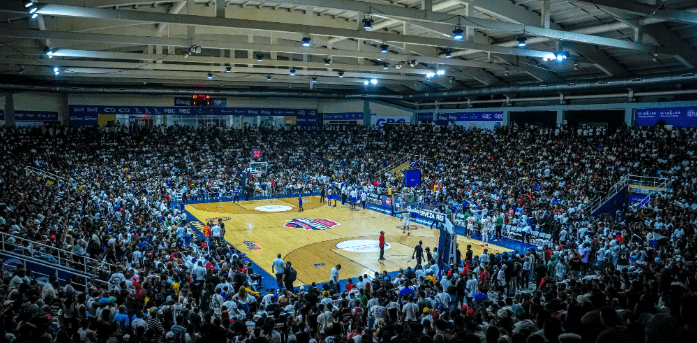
point(348, 171)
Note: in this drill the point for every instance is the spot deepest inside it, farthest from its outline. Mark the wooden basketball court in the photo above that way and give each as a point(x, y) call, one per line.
point(320, 237)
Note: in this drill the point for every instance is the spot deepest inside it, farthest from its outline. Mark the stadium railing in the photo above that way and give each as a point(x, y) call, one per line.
point(46, 260)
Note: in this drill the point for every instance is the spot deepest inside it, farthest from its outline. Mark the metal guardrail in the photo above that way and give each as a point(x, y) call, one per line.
point(31, 251)
point(657, 183)
point(618, 186)
point(51, 176)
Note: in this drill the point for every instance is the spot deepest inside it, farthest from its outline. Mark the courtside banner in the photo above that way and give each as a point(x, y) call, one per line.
point(471, 116)
point(380, 121)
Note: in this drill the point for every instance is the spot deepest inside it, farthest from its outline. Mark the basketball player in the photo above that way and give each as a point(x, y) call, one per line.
point(470, 226)
point(485, 230)
point(330, 192)
point(405, 222)
point(300, 202)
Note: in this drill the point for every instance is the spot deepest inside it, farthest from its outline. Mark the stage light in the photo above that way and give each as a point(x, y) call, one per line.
point(198, 49)
point(440, 72)
point(430, 75)
point(292, 72)
point(457, 34)
point(306, 41)
point(341, 74)
point(34, 16)
point(314, 79)
point(268, 78)
point(384, 47)
point(522, 41)
point(327, 61)
point(210, 76)
point(260, 57)
point(56, 70)
point(385, 66)
point(28, 4)
point(448, 55)
point(373, 81)
point(32, 10)
point(549, 56)
point(366, 82)
point(48, 52)
point(228, 69)
point(368, 23)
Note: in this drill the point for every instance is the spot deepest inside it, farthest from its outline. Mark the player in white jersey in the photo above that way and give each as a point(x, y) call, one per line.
point(405, 222)
point(486, 222)
point(470, 226)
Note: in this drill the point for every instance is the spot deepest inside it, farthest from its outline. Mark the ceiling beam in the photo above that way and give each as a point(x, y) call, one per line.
point(176, 8)
point(269, 63)
point(221, 44)
point(685, 53)
point(531, 68)
point(679, 16)
point(356, 6)
point(519, 14)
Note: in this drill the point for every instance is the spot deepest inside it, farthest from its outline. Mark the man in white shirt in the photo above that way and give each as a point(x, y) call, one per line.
point(411, 311)
point(278, 266)
point(334, 276)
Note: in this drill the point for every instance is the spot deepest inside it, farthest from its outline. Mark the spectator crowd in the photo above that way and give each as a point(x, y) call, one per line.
point(108, 198)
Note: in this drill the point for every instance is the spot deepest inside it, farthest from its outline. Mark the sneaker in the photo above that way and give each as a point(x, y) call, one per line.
point(486, 244)
point(409, 234)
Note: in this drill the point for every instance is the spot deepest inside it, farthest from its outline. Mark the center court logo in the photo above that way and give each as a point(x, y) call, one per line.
point(311, 224)
point(273, 208)
point(361, 245)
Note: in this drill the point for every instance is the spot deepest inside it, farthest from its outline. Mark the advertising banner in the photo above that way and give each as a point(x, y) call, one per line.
point(471, 116)
point(380, 121)
point(343, 116)
point(676, 116)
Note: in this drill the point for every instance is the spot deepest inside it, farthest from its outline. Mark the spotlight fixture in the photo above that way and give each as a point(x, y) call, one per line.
point(457, 33)
point(440, 72)
point(366, 82)
point(187, 54)
point(522, 41)
point(373, 81)
point(341, 74)
point(198, 49)
point(32, 10)
point(575, 66)
point(327, 61)
point(192, 49)
point(268, 78)
point(28, 4)
point(430, 75)
point(306, 41)
point(385, 66)
point(505, 72)
point(210, 76)
point(34, 16)
point(228, 69)
point(48, 52)
point(384, 47)
point(56, 70)
point(448, 55)
point(292, 72)
point(260, 57)
point(368, 23)
point(561, 56)
point(549, 56)
point(314, 79)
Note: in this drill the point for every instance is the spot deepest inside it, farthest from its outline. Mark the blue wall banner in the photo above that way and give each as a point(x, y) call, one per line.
point(33, 116)
point(343, 116)
point(471, 116)
point(380, 121)
point(426, 117)
point(84, 115)
point(676, 116)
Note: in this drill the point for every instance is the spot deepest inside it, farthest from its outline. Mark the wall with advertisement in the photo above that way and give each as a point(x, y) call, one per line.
point(32, 118)
point(380, 121)
point(676, 116)
point(85, 115)
point(482, 120)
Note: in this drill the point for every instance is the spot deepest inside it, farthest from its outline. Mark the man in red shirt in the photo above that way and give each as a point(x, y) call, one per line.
point(382, 246)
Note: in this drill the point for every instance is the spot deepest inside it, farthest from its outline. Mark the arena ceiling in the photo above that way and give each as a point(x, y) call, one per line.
point(239, 44)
